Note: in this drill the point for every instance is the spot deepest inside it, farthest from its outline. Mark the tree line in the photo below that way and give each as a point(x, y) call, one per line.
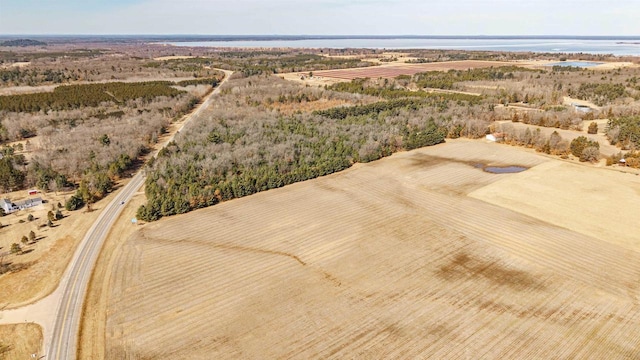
point(447, 80)
point(390, 90)
point(67, 97)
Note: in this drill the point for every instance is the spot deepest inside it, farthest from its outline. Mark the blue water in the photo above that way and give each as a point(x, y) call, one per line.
point(613, 46)
point(582, 64)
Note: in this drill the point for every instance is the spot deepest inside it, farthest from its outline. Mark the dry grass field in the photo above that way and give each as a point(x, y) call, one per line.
point(23, 339)
point(606, 148)
point(39, 269)
point(390, 259)
point(393, 70)
point(575, 197)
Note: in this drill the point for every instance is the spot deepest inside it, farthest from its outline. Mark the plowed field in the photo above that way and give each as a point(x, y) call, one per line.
point(390, 259)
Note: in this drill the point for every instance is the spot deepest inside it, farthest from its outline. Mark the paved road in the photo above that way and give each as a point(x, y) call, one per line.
point(62, 343)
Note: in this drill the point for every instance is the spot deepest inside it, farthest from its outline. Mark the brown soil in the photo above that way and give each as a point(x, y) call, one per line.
point(390, 259)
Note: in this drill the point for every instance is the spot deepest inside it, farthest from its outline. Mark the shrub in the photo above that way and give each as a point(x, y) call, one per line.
point(74, 203)
point(593, 128)
point(30, 217)
point(590, 153)
point(578, 145)
point(15, 248)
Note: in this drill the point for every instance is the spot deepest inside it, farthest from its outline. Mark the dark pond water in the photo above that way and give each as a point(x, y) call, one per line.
point(504, 169)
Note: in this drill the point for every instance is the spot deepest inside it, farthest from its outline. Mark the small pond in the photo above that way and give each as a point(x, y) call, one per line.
point(504, 169)
point(581, 64)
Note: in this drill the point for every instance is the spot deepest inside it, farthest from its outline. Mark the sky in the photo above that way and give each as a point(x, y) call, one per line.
point(321, 17)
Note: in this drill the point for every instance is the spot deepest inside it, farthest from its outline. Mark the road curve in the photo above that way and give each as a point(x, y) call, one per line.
point(62, 344)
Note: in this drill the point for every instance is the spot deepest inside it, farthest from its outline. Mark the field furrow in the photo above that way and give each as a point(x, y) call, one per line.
point(390, 259)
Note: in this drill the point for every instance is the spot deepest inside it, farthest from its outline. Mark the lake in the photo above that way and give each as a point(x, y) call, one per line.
point(615, 46)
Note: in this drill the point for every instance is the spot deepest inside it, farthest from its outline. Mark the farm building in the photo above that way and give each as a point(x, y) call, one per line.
point(10, 207)
point(581, 108)
point(7, 206)
point(497, 136)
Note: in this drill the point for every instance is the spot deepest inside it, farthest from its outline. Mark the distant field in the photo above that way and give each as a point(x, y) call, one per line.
point(395, 70)
point(389, 259)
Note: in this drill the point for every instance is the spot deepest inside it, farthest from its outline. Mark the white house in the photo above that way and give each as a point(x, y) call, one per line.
point(10, 207)
point(7, 206)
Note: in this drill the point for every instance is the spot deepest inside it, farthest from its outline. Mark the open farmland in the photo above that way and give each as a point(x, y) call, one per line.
point(389, 259)
point(392, 71)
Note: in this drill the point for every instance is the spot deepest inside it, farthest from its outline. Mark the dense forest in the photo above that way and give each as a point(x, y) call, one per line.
point(22, 42)
point(446, 80)
point(241, 147)
point(68, 97)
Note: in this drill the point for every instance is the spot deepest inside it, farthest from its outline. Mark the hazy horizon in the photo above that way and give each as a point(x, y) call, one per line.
point(331, 36)
point(318, 17)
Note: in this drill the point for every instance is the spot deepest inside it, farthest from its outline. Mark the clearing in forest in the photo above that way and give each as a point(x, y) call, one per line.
point(394, 70)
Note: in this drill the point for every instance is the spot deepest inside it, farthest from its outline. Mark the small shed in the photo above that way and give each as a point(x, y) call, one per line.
point(581, 108)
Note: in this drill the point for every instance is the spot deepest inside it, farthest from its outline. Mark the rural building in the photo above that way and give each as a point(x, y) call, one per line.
point(25, 204)
point(10, 207)
point(581, 108)
point(7, 206)
point(496, 136)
